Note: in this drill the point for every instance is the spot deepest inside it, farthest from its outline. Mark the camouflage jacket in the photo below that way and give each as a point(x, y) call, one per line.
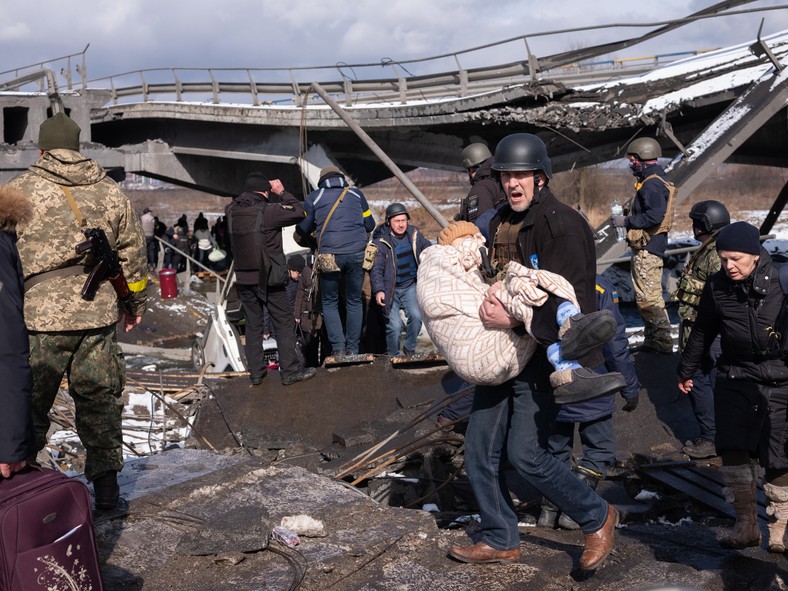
point(703, 263)
point(48, 240)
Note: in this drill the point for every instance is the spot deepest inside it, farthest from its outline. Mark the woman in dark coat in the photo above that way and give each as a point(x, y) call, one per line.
point(16, 427)
point(742, 303)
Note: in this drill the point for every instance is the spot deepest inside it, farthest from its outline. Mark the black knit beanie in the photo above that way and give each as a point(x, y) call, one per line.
point(296, 263)
point(257, 182)
point(59, 131)
point(739, 237)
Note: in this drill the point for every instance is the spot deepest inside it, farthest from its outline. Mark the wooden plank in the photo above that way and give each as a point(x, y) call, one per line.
point(422, 360)
point(340, 360)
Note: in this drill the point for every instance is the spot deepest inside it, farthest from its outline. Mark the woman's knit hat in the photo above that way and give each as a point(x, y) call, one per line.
point(740, 237)
point(456, 230)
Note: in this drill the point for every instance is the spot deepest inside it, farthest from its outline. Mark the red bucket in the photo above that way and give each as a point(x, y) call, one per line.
point(168, 284)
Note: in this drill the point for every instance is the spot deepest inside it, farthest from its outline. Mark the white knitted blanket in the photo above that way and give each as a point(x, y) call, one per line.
point(450, 290)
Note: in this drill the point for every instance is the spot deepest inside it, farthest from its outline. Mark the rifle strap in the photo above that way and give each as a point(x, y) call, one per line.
point(70, 198)
point(69, 271)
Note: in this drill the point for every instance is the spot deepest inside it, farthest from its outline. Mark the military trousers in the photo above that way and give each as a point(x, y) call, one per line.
point(95, 369)
point(647, 282)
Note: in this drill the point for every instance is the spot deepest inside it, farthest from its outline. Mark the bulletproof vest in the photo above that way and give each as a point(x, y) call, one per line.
point(245, 228)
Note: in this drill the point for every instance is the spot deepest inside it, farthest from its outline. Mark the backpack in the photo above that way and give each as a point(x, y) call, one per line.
point(245, 228)
point(782, 319)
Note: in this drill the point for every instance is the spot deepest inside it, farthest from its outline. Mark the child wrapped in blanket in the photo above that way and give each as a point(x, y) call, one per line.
point(450, 289)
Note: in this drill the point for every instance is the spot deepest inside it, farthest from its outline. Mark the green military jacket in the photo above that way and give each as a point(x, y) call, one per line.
point(696, 271)
point(47, 242)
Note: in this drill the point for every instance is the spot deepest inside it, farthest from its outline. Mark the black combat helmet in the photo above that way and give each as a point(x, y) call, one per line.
point(396, 209)
point(520, 152)
point(709, 216)
point(474, 154)
point(645, 148)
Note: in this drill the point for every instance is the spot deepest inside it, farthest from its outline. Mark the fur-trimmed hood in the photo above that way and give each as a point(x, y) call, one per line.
point(15, 208)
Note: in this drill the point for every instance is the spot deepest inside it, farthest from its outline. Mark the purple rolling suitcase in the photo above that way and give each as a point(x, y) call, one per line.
point(46, 534)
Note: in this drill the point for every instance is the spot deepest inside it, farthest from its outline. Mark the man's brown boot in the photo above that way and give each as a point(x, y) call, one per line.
point(740, 490)
point(481, 553)
point(600, 543)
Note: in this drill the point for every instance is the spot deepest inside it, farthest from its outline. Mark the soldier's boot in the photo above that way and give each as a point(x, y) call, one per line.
point(778, 516)
point(740, 490)
point(591, 478)
point(582, 333)
point(577, 385)
point(548, 515)
point(107, 491)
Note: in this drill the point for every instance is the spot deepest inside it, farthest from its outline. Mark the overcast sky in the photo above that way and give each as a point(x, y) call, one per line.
point(138, 34)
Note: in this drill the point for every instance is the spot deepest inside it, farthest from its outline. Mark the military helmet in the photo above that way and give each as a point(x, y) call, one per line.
point(709, 215)
point(474, 155)
point(645, 148)
point(522, 152)
point(396, 209)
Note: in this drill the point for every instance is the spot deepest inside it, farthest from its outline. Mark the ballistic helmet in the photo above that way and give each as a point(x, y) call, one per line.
point(396, 209)
point(645, 148)
point(475, 154)
point(709, 216)
point(521, 152)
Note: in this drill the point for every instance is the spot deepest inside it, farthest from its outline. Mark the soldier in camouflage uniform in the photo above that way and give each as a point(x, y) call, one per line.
point(708, 218)
point(647, 234)
point(68, 335)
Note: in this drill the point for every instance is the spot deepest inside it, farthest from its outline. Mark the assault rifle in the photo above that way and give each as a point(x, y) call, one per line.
point(107, 267)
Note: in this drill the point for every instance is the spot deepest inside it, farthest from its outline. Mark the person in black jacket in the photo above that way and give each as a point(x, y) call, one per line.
point(486, 192)
point(594, 418)
point(17, 437)
point(742, 304)
point(255, 229)
point(513, 419)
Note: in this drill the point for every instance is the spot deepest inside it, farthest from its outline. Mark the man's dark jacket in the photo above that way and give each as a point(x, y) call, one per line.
point(16, 427)
point(249, 262)
point(744, 314)
point(383, 275)
point(556, 238)
point(486, 192)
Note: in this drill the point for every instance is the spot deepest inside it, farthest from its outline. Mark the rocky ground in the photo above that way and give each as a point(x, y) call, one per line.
point(199, 519)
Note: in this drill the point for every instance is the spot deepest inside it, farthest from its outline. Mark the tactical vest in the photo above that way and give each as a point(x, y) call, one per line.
point(638, 238)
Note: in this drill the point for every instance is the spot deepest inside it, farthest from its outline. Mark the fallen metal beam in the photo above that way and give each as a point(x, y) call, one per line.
point(370, 143)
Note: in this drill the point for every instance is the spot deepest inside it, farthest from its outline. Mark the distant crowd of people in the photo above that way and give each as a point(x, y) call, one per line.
point(528, 261)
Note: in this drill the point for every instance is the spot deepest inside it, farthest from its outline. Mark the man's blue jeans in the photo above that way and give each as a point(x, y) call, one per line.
point(513, 419)
point(404, 299)
point(351, 272)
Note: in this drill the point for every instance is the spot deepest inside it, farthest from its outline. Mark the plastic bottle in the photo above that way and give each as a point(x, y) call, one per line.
point(617, 209)
point(286, 536)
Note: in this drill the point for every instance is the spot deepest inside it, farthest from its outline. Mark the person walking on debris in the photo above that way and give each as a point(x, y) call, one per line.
point(647, 227)
point(536, 230)
point(594, 418)
point(486, 192)
point(708, 218)
point(17, 437)
point(393, 277)
point(742, 303)
point(148, 222)
point(341, 218)
point(255, 227)
point(71, 334)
